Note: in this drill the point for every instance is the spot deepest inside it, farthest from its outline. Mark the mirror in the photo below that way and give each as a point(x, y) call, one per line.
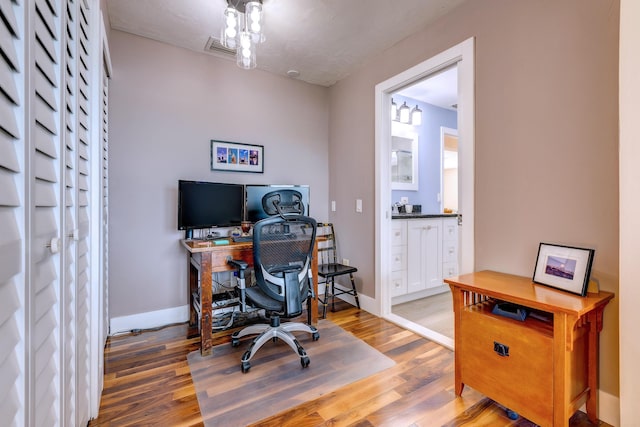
point(404, 158)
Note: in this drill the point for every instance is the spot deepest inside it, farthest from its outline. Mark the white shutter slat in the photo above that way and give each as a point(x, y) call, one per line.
point(45, 168)
point(9, 334)
point(45, 117)
point(6, 10)
point(10, 246)
point(8, 155)
point(8, 197)
point(7, 37)
point(8, 119)
point(44, 142)
point(10, 402)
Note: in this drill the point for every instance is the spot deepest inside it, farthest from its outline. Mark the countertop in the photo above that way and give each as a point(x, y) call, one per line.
point(418, 215)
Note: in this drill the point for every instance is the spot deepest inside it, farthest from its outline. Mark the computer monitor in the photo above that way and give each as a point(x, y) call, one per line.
point(254, 193)
point(209, 204)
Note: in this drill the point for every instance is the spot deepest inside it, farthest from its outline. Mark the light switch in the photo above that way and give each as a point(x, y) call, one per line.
point(359, 205)
point(333, 206)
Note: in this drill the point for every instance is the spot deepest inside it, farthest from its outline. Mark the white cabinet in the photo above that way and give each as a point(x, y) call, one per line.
point(423, 252)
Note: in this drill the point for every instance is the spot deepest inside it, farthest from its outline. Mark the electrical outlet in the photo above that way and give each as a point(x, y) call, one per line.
point(404, 200)
point(345, 261)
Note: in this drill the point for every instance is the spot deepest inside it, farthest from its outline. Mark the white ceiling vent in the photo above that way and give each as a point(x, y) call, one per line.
point(216, 48)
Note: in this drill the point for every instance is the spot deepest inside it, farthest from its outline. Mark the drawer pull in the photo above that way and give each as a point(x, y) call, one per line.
point(501, 349)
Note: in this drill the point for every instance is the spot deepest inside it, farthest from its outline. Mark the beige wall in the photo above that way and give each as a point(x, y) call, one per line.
point(166, 104)
point(629, 211)
point(546, 138)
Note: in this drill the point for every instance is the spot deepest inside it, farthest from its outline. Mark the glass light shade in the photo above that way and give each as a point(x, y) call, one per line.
point(416, 116)
point(394, 110)
point(246, 54)
point(230, 30)
point(404, 113)
point(254, 21)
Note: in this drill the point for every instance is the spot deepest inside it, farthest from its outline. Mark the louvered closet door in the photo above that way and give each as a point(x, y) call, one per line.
point(105, 201)
point(12, 276)
point(69, 410)
point(45, 263)
point(84, 213)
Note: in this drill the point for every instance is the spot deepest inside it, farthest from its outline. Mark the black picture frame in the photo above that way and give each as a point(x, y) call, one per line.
point(236, 157)
point(567, 268)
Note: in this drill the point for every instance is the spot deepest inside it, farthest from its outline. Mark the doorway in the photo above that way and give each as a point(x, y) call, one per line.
point(462, 57)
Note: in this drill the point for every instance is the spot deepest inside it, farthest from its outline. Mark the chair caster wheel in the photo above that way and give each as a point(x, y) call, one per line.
point(304, 361)
point(245, 367)
point(315, 336)
point(512, 415)
point(235, 342)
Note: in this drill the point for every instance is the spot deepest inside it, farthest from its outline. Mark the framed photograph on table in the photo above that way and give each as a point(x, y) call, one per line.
point(564, 267)
point(236, 157)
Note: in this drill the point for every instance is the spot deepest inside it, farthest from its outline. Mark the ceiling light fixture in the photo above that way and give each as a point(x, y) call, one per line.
point(243, 30)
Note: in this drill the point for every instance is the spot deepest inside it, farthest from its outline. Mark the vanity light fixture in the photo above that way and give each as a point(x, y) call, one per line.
point(243, 30)
point(404, 113)
point(416, 116)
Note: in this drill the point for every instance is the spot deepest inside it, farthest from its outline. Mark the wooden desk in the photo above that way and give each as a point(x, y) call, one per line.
point(550, 368)
point(205, 258)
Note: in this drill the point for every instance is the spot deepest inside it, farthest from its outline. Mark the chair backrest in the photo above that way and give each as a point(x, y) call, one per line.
point(283, 201)
point(282, 253)
point(327, 246)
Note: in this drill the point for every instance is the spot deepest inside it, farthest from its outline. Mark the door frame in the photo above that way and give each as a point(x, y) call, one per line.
point(444, 131)
point(461, 54)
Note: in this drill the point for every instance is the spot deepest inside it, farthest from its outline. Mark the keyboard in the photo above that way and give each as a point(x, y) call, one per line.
point(241, 239)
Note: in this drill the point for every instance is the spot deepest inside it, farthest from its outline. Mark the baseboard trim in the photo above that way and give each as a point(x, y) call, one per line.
point(150, 319)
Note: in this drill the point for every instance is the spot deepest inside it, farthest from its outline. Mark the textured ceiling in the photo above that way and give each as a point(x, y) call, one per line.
point(324, 40)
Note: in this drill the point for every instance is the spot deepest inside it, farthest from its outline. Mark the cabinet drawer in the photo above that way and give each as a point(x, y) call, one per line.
point(521, 380)
point(398, 258)
point(398, 233)
point(449, 269)
point(398, 283)
point(449, 251)
point(450, 229)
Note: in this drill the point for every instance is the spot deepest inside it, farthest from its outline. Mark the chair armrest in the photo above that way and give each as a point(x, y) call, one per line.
point(238, 264)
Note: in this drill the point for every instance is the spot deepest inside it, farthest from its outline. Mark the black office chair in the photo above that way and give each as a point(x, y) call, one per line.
point(282, 252)
point(329, 268)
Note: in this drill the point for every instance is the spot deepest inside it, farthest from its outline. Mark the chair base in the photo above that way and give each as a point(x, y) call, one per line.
point(273, 332)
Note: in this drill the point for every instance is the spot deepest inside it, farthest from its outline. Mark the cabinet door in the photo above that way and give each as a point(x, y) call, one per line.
point(424, 249)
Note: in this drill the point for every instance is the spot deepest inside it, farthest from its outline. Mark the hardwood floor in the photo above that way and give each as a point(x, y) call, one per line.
point(147, 383)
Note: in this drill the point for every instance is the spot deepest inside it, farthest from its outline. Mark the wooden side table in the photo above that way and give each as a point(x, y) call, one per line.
point(545, 367)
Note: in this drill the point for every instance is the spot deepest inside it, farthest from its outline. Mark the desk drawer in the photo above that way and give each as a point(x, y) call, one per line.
point(522, 378)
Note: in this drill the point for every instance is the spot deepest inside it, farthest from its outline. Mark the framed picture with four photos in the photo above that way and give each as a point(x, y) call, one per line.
point(236, 157)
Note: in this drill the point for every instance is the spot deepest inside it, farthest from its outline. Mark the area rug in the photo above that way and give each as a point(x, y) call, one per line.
point(276, 380)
